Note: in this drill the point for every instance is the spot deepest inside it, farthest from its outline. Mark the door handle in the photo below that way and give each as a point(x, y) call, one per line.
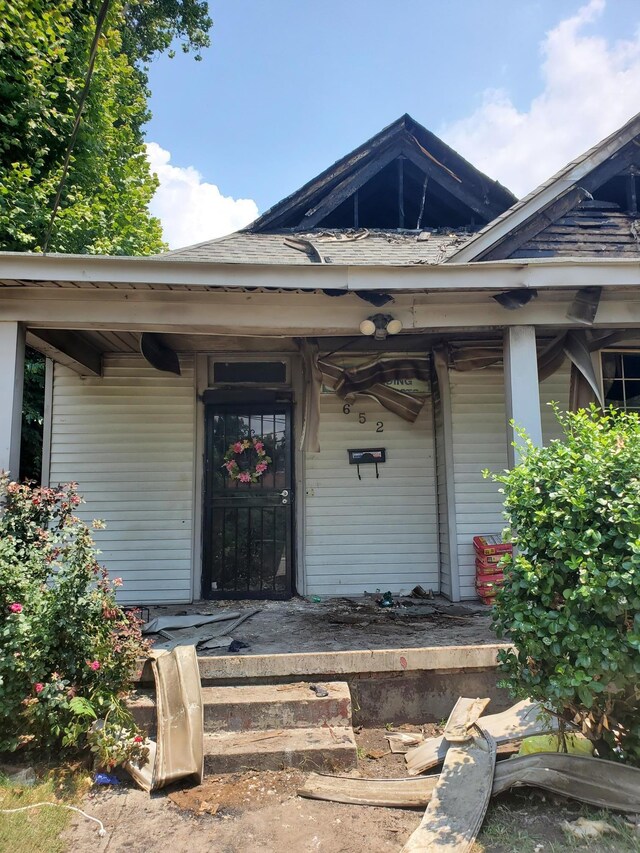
point(284, 494)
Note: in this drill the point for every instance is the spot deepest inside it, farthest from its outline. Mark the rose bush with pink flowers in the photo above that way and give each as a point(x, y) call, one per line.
point(68, 652)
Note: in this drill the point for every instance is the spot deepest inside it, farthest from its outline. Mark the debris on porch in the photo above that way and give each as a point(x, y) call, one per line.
point(339, 624)
point(204, 631)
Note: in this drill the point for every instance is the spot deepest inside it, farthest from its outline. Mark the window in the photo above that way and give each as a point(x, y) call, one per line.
point(245, 372)
point(621, 379)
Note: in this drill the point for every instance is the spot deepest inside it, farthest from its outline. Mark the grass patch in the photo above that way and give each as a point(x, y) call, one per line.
point(38, 830)
point(531, 823)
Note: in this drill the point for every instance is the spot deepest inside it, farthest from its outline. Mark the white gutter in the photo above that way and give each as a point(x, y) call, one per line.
point(487, 275)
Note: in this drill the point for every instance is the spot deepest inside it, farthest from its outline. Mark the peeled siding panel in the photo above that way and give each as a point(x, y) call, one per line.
point(128, 440)
point(372, 533)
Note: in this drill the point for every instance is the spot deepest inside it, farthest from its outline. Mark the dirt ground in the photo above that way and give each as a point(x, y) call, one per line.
point(259, 812)
point(342, 624)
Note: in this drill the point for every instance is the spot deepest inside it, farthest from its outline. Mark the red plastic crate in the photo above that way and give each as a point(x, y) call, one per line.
point(490, 559)
point(490, 544)
point(489, 579)
point(484, 568)
point(489, 587)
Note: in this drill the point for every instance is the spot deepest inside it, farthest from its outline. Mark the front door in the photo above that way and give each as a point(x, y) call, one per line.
point(247, 548)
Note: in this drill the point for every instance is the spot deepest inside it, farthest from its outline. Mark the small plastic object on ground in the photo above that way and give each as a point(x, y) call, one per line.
point(26, 777)
point(421, 592)
point(319, 690)
point(583, 827)
point(316, 599)
point(386, 600)
point(106, 779)
point(576, 744)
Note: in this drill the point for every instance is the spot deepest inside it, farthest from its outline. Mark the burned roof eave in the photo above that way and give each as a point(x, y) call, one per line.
point(543, 196)
point(404, 131)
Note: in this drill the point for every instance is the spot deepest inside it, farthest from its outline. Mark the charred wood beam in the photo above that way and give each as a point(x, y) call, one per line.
point(280, 214)
point(532, 227)
point(67, 348)
point(588, 184)
point(348, 186)
point(632, 197)
point(356, 208)
point(453, 185)
point(400, 162)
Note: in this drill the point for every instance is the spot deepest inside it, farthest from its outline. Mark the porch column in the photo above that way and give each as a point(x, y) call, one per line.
point(11, 383)
point(521, 387)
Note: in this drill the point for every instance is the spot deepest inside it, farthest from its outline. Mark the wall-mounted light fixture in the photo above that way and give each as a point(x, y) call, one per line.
point(514, 299)
point(380, 325)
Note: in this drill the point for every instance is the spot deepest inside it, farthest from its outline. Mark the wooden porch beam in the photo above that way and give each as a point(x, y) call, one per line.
point(522, 389)
point(11, 386)
point(67, 348)
point(291, 314)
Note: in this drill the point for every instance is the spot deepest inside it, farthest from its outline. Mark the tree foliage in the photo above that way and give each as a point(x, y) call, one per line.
point(32, 416)
point(571, 603)
point(44, 54)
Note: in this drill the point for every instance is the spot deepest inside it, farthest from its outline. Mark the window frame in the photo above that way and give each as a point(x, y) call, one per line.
point(619, 351)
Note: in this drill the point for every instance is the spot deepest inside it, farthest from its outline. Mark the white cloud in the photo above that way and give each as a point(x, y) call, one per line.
point(190, 209)
point(591, 87)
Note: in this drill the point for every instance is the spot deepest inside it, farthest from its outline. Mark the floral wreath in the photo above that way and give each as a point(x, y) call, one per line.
point(234, 454)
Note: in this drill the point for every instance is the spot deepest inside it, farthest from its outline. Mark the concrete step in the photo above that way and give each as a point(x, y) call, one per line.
point(261, 707)
point(326, 748)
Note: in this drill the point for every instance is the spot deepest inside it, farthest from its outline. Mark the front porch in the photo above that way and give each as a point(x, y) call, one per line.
point(143, 443)
point(300, 626)
point(399, 666)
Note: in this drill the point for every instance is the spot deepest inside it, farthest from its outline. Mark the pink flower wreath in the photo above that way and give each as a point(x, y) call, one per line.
point(234, 455)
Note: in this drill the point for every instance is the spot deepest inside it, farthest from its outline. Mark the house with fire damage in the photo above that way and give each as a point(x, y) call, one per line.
point(307, 405)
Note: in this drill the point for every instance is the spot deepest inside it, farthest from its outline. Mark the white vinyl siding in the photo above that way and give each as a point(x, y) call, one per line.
point(372, 533)
point(127, 439)
point(554, 389)
point(479, 442)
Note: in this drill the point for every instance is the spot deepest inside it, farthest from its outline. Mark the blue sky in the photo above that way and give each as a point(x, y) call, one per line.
point(288, 87)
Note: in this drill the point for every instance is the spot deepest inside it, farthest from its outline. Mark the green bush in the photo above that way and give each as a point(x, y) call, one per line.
point(68, 652)
point(571, 602)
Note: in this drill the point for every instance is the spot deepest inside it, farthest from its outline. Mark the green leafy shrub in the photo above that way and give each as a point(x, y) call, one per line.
point(68, 652)
point(571, 602)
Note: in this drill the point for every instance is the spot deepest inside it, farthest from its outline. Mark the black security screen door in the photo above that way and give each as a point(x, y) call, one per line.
point(248, 526)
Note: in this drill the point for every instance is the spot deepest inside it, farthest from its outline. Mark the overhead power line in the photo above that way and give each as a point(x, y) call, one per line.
point(102, 14)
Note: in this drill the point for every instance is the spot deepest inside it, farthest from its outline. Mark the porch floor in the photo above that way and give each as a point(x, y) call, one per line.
point(346, 624)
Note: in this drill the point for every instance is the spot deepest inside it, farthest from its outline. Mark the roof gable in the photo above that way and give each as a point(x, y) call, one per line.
point(403, 177)
point(596, 181)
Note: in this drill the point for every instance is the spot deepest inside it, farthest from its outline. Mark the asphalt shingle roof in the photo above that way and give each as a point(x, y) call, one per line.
point(366, 247)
